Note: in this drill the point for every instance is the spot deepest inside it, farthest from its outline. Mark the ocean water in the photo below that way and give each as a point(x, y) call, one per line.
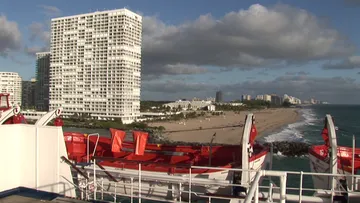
point(308, 129)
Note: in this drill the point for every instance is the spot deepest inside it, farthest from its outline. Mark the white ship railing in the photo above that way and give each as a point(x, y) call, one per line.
point(88, 145)
point(93, 189)
point(254, 192)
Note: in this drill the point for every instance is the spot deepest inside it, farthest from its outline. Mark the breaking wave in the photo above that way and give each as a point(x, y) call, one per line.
point(292, 132)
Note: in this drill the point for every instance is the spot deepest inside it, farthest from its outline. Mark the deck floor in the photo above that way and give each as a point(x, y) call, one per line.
point(25, 199)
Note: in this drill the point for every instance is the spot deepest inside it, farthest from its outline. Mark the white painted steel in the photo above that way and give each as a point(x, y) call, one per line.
point(45, 119)
point(245, 176)
point(159, 184)
point(5, 115)
point(88, 145)
point(331, 165)
point(333, 154)
point(353, 162)
point(31, 158)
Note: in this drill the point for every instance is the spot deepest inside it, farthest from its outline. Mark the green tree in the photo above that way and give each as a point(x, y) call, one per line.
point(168, 108)
point(286, 103)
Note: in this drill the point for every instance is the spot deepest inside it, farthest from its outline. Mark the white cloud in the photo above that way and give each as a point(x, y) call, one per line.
point(351, 62)
point(31, 51)
point(40, 35)
point(39, 32)
point(297, 73)
point(251, 38)
point(10, 36)
point(50, 11)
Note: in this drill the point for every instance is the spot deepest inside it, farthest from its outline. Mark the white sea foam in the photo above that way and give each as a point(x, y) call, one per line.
point(279, 154)
point(291, 132)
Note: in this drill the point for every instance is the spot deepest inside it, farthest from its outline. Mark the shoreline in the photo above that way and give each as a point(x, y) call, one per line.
point(228, 128)
point(280, 128)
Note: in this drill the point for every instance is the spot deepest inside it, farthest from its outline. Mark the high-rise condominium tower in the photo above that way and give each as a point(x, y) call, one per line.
point(95, 64)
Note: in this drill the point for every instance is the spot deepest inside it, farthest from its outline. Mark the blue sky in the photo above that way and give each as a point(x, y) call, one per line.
point(229, 48)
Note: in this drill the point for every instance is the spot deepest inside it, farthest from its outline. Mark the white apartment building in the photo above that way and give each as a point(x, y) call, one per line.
point(246, 97)
point(95, 64)
point(10, 82)
point(259, 97)
point(267, 97)
point(291, 99)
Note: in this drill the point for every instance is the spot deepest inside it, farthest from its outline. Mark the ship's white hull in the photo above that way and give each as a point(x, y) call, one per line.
point(162, 185)
point(320, 166)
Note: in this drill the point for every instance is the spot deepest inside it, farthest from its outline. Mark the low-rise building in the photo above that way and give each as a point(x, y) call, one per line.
point(188, 105)
point(211, 107)
point(10, 82)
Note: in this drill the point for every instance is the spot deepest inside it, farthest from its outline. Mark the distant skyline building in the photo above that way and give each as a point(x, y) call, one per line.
point(42, 81)
point(28, 94)
point(291, 99)
point(267, 97)
point(219, 97)
point(95, 64)
point(10, 82)
point(276, 100)
point(245, 97)
point(259, 97)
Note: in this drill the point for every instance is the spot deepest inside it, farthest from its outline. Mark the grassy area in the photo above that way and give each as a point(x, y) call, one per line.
point(73, 122)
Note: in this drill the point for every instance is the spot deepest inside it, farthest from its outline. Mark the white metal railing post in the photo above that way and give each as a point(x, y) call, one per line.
point(283, 188)
point(131, 189)
point(102, 188)
point(190, 184)
point(139, 182)
point(94, 181)
point(270, 197)
point(87, 187)
point(353, 165)
point(115, 192)
point(301, 185)
point(81, 191)
point(88, 144)
point(256, 195)
point(332, 188)
point(253, 187)
point(180, 191)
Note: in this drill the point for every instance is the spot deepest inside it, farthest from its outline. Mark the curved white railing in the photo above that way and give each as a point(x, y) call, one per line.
point(88, 145)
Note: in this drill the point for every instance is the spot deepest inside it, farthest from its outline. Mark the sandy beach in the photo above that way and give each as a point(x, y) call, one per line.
point(266, 121)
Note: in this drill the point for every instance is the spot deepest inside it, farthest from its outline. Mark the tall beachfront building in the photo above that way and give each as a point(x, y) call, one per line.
point(95, 64)
point(42, 81)
point(10, 82)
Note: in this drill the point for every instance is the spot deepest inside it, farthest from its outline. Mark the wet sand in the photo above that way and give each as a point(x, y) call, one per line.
point(267, 121)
